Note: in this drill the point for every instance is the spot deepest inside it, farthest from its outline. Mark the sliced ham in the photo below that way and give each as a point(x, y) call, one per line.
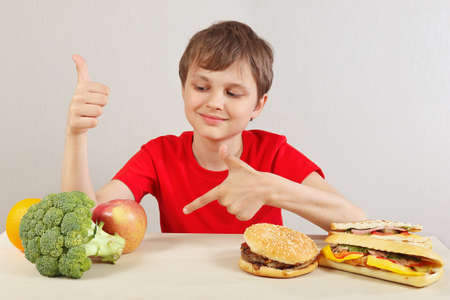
point(367, 231)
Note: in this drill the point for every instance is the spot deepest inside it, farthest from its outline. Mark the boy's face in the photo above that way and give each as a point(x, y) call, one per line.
point(219, 104)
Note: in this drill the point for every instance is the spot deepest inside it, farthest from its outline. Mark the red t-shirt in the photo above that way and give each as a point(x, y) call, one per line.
point(166, 168)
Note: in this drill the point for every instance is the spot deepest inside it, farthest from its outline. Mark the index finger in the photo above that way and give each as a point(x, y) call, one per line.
point(201, 201)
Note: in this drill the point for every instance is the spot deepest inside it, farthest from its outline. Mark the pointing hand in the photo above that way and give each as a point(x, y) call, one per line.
point(243, 192)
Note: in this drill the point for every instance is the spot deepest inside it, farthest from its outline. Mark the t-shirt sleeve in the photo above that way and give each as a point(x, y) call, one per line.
point(139, 173)
point(294, 165)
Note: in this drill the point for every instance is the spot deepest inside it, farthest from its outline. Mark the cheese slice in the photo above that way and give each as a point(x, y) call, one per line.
point(388, 265)
point(330, 255)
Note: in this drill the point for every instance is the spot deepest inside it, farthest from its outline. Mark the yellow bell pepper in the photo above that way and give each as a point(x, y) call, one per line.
point(386, 264)
point(330, 255)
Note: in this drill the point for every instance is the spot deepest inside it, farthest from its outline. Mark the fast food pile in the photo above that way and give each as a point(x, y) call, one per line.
point(377, 248)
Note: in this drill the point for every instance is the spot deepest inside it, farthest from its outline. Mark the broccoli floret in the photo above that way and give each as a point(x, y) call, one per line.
point(32, 251)
point(75, 262)
point(48, 265)
point(59, 236)
point(52, 242)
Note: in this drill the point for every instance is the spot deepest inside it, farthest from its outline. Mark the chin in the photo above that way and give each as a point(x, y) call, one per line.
point(215, 133)
point(209, 134)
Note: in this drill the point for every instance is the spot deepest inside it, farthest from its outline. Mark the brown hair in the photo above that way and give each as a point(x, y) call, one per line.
point(220, 45)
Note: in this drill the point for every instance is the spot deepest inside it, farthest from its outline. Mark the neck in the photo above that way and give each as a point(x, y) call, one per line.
point(206, 151)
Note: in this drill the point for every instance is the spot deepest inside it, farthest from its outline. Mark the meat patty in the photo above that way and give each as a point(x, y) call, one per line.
point(259, 260)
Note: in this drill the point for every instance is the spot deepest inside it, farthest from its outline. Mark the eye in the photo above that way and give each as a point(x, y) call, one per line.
point(231, 94)
point(200, 88)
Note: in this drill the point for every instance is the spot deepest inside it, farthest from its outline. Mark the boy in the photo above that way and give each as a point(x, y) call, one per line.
point(218, 178)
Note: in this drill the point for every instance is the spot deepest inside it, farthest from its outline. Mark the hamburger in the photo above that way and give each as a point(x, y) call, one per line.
point(277, 251)
point(382, 249)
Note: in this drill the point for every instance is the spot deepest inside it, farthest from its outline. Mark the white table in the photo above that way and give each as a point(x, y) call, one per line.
point(197, 266)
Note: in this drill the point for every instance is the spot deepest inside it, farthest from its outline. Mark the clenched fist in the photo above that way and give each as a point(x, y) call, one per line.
point(87, 102)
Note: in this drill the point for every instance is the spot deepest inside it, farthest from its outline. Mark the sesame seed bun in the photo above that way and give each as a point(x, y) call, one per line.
point(280, 243)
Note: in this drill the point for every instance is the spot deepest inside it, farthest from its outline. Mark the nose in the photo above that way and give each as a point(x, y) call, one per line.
point(215, 101)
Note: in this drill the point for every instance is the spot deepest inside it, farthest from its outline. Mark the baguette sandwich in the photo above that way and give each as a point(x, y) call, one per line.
point(385, 230)
point(353, 247)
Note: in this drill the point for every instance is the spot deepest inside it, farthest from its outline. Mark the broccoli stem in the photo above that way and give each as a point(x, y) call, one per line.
point(104, 245)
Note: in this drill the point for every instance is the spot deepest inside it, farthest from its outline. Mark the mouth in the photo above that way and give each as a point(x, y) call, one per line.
point(211, 119)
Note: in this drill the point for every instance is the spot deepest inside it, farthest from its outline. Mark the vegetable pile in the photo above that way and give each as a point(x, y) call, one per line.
point(59, 236)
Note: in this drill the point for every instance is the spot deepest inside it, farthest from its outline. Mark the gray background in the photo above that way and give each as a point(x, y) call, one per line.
point(361, 87)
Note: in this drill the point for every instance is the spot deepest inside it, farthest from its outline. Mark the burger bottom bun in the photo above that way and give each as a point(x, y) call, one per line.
point(417, 281)
point(275, 273)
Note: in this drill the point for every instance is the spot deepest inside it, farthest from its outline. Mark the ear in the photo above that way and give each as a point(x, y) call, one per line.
point(259, 106)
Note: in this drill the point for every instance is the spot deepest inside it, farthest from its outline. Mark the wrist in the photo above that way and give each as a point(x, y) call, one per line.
point(71, 134)
point(75, 139)
point(282, 191)
point(274, 186)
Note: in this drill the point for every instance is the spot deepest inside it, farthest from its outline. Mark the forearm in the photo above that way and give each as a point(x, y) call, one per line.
point(318, 206)
point(85, 107)
point(75, 170)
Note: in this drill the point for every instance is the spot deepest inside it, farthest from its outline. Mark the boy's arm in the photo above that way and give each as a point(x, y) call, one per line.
point(75, 170)
point(115, 189)
point(314, 200)
point(75, 174)
point(246, 190)
point(85, 108)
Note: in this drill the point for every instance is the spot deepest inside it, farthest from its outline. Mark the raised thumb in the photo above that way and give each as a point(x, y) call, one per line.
point(230, 160)
point(82, 69)
point(223, 151)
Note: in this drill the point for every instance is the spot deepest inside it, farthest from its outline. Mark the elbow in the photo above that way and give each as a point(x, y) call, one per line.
point(99, 199)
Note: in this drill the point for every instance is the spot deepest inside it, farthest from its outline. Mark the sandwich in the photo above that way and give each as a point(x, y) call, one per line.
point(277, 251)
point(354, 247)
point(385, 230)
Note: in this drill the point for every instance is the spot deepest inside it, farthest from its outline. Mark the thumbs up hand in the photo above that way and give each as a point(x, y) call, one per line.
point(87, 102)
point(243, 192)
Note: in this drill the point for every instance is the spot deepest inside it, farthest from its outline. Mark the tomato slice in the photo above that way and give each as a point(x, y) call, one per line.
point(381, 233)
point(417, 264)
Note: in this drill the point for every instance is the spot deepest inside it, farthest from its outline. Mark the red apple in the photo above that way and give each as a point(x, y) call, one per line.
point(125, 217)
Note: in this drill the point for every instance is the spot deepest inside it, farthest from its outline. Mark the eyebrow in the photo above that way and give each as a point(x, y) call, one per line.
point(233, 84)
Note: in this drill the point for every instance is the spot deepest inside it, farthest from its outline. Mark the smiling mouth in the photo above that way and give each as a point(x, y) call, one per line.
point(212, 117)
point(212, 120)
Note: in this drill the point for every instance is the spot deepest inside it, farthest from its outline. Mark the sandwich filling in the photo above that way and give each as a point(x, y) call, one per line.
point(388, 261)
point(379, 231)
point(391, 234)
point(258, 260)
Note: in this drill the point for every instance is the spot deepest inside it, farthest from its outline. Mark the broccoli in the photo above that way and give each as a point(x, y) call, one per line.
point(59, 236)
